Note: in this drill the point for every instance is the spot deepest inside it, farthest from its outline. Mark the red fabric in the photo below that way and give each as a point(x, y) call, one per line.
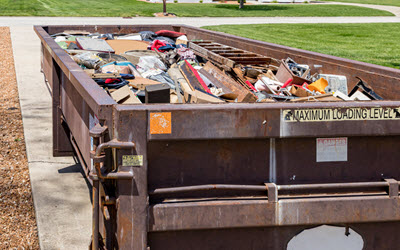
point(169, 33)
point(157, 44)
point(112, 80)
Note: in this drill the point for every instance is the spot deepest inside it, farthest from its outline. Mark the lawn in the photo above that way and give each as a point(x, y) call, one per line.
point(374, 43)
point(127, 8)
point(378, 2)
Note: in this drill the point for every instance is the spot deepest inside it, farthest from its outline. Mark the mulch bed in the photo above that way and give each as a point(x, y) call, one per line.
point(17, 215)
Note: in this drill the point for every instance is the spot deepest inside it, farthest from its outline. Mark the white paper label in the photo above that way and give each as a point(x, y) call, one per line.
point(331, 149)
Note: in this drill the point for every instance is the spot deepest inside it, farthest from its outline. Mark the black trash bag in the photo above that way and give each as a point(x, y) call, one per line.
point(148, 36)
point(167, 39)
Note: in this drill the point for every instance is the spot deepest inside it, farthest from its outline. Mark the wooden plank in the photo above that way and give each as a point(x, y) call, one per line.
point(243, 94)
point(238, 54)
point(177, 76)
point(228, 94)
point(190, 77)
point(209, 55)
point(200, 97)
point(252, 60)
point(227, 51)
point(141, 83)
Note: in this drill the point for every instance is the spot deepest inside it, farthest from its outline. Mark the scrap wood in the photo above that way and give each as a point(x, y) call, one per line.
point(141, 83)
point(317, 98)
point(200, 97)
point(227, 93)
point(103, 75)
point(178, 78)
point(193, 77)
point(124, 95)
point(244, 95)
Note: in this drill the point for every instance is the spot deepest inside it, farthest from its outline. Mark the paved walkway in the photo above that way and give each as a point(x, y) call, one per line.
point(394, 9)
point(202, 21)
point(60, 193)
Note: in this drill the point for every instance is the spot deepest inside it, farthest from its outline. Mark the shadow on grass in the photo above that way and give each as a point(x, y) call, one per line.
point(395, 65)
point(251, 7)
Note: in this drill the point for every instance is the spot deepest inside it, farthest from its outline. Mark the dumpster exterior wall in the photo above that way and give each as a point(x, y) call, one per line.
point(238, 144)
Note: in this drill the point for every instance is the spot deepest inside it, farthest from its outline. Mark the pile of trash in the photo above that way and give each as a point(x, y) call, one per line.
point(165, 67)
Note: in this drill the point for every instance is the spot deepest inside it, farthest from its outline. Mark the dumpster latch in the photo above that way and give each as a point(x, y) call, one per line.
point(393, 188)
point(272, 189)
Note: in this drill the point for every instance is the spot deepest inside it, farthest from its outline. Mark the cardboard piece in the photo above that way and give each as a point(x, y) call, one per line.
point(299, 92)
point(121, 46)
point(124, 95)
point(141, 83)
point(200, 97)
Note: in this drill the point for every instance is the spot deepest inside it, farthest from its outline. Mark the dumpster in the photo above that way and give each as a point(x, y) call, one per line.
point(232, 175)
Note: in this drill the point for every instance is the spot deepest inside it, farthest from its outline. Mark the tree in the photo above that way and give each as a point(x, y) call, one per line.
point(241, 4)
point(165, 7)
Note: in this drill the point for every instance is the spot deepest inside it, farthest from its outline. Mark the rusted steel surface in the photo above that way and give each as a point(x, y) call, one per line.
point(238, 213)
point(269, 186)
point(266, 237)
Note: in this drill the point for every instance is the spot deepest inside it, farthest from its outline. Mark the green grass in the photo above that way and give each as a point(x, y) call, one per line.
point(378, 2)
point(374, 43)
point(126, 8)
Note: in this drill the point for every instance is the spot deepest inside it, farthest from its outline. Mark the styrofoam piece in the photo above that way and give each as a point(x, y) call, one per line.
point(183, 38)
point(135, 37)
point(359, 96)
point(342, 96)
point(335, 83)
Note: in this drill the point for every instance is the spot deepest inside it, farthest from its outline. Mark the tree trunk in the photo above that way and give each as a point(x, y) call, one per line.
point(165, 7)
point(241, 5)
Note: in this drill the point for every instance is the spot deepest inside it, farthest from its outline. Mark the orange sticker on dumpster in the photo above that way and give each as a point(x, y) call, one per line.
point(160, 123)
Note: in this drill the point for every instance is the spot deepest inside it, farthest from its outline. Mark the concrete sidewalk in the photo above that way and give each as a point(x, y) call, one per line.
point(61, 196)
point(394, 9)
point(194, 21)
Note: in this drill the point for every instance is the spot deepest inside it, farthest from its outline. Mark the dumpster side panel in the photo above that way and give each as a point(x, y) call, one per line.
point(296, 161)
point(76, 113)
point(186, 163)
point(132, 197)
point(268, 237)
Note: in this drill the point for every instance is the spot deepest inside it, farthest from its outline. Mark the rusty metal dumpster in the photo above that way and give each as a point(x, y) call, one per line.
point(233, 175)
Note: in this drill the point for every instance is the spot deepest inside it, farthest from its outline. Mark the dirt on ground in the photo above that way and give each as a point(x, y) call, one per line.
point(17, 216)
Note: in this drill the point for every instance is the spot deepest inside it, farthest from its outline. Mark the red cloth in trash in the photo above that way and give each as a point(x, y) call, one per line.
point(157, 44)
point(169, 33)
point(112, 80)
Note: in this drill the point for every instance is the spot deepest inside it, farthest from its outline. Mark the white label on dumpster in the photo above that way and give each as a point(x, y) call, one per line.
point(348, 114)
point(331, 149)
